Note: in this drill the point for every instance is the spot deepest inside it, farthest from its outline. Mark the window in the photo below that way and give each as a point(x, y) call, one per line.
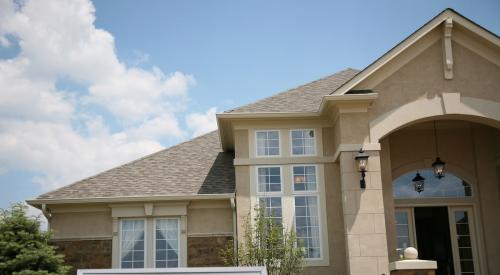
point(269, 179)
point(303, 142)
point(273, 208)
point(132, 244)
point(402, 232)
point(307, 225)
point(269, 191)
point(167, 242)
point(450, 186)
point(268, 143)
point(304, 178)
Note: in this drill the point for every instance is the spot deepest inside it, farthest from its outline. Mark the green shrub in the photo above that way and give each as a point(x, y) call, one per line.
point(24, 248)
point(266, 243)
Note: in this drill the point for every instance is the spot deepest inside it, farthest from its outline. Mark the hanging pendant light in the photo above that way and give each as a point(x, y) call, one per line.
point(418, 183)
point(438, 165)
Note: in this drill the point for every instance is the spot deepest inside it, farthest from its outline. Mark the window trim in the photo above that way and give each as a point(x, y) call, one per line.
point(280, 146)
point(120, 240)
point(315, 143)
point(269, 194)
point(316, 176)
point(320, 223)
point(155, 219)
point(320, 211)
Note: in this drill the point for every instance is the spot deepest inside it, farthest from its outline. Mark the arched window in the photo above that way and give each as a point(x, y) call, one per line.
point(449, 186)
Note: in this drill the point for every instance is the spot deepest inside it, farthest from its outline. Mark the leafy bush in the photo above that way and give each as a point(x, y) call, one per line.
point(266, 243)
point(24, 248)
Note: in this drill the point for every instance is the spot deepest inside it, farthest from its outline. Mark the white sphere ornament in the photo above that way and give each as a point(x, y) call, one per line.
point(411, 253)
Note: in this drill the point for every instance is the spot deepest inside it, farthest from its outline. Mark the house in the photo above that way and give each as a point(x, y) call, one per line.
point(427, 117)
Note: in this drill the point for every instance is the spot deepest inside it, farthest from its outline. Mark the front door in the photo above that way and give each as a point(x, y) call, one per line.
point(442, 234)
point(433, 237)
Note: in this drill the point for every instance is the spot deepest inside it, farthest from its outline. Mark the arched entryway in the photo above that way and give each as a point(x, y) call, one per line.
point(454, 219)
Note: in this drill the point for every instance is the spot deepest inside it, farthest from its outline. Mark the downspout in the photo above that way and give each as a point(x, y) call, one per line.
point(235, 229)
point(47, 215)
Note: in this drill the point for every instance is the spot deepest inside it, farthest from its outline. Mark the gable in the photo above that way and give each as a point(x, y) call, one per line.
point(447, 27)
point(422, 77)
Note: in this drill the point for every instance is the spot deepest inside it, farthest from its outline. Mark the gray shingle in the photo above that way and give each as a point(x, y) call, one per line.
point(305, 98)
point(198, 166)
point(194, 167)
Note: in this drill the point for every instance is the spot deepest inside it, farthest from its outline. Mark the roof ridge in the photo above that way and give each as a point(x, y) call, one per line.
point(295, 88)
point(127, 163)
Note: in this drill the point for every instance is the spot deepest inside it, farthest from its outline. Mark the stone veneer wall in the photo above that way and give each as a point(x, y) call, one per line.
point(82, 254)
point(204, 250)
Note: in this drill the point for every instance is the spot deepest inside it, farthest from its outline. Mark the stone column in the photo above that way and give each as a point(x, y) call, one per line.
point(364, 220)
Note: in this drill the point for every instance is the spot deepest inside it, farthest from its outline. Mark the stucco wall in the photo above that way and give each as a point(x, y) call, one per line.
point(210, 219)
point(422, 77)
point(84, 225)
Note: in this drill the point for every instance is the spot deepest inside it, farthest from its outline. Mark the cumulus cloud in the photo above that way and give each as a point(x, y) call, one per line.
point(51, 132)
point(201, 123)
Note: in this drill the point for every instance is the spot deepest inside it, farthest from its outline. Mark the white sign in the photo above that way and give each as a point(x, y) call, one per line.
point(254, 270)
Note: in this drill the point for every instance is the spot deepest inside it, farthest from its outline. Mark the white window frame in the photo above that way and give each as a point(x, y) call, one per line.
point(145, 240)
point(412, 234)
point(179, 263)
point(257, 144)
point(269, 194)
point(318, 198)
point(314, 147)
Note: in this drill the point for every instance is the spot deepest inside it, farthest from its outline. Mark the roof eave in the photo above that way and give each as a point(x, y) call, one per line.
point(39, 202)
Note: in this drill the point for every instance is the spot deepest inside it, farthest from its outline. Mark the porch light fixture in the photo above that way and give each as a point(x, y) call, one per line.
point(438, 165)
point(362, 159)
point(418, 182)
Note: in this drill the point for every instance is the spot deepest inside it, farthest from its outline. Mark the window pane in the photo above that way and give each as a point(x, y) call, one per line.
point(402, 231)
point(272, 208)
point(450, 186)
point(307, 226)
point(167, 251)
point(269, 179)
point(303, 142)
point(268, 143)
point(464, 241)
point(132, 243)
point(304, 178)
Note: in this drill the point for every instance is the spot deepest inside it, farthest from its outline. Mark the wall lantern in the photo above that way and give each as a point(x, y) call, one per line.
point(418, 182)
point(438, 165)
point(362, 159)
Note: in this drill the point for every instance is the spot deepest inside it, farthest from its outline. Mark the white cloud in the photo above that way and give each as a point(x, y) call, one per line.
point(201, 123)
point(45, 131)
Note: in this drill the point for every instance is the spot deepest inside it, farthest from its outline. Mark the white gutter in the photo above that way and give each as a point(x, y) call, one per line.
point(40, 202)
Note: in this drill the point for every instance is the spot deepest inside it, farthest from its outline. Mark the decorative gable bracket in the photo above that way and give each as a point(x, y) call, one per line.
point(447, 49)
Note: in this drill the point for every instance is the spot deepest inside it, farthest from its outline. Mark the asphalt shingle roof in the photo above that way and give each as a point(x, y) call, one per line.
point(198, 166)
point(194, 167)
point(305, 98)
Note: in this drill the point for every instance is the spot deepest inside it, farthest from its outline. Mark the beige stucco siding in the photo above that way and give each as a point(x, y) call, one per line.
point(215, 218)
point(422, 77)
point(82, 225)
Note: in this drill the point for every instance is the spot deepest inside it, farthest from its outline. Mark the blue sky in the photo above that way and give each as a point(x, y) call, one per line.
point(172, 63)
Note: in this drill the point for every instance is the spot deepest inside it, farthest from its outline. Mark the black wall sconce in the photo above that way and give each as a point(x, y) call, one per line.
point(362, 159)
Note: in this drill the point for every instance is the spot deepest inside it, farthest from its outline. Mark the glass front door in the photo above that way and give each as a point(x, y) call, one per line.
point(443, 234)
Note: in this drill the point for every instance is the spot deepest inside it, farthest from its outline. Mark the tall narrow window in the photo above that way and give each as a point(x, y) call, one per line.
point(402, 232)
point(303, 142)
point(269, 191)
point(167, 242)
point(307, 224)
point(268, 143)
point(132, 244)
